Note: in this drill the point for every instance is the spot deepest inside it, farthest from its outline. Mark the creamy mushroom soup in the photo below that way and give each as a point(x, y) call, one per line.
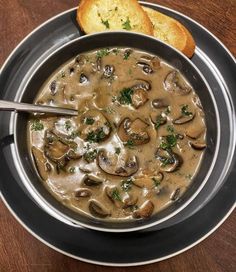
point(137, 141)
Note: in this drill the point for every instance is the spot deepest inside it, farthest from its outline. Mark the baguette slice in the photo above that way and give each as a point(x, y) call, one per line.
point(104, 15)
point(171, 31)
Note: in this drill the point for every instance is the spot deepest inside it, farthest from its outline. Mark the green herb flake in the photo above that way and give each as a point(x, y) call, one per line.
point(129, 144)
point(74, 134)
point(115, 51)
point(117, 150)
point(126, 25)
point(170, 141)
point(130, 71)
point(116, 8)
point(125, 96)
point(126, 185)
point(127, 54)
point(159, 121)
point(68, 125)
point(103, 52)
point(156, 182)
point(89, 121)
point(90, 156)
point(37, 125)
point(96, 136)
point(165, 161)
point(170, 129)
point(184, 110)
point(116, 195)
point(106, 23)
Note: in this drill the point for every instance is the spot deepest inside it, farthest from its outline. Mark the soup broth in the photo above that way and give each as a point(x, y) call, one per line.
point(137, 141)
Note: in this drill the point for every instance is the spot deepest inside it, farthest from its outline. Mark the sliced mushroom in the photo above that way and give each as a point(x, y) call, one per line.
point(197, 145)
point(139, 98)
point(59, 150)
point(141, 84)
point(108, 71)
point(147, 69)
point(172, 83)
point(113, 194)
point(145, 211)
point(41, 163)
point(158, 119)
point(183, 119)
point(83, 193)
point(154, 62)
point(92, 181)
point(54, 149)
point(117, 165)
point(170, 161)
point(148, 181)
point(175, 195)
point(134, 131)
point(94, 127)
point(53, 87)
point(97, 210)
point(159, 103)
point(130, 201)
point(81, 60)
point(83, 79)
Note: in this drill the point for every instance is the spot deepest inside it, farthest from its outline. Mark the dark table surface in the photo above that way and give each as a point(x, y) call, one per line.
point(19, 250)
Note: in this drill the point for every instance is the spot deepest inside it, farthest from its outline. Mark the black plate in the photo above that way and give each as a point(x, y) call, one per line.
point(192, 225)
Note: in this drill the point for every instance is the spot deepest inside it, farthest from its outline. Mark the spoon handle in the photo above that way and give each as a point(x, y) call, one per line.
point(15, 106)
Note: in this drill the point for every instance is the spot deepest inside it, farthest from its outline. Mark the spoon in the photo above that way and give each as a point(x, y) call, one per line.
point(15, 106)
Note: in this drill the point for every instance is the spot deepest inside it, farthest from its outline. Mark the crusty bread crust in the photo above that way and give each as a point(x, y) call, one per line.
point(104, 15)
point(171, 31)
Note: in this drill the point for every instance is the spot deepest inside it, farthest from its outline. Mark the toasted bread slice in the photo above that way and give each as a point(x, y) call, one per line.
point(104, 15)
point(171, 31)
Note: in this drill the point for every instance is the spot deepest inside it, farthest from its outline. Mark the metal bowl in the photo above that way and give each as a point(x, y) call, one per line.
point(38, 75)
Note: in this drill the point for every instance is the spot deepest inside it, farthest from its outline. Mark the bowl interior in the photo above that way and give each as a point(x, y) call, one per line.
point(114, 39)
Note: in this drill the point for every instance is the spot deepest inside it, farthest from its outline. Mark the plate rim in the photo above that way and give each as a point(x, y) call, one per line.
point(110, 263)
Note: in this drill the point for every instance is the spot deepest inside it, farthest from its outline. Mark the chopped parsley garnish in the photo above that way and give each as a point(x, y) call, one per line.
point(126, 25)
point(170, 141)
point(116, 51)
point(116, 195)
point(103, 52)
point(117, 150)
point(129, 144)
point(165, 161)
point(67, 125)
point(74, 134)
point(126, 184)
point(156, 182)
point(125, 96)
point(127, 54)
point(96, 136)
point(106, 23)
point(37, 125)
point(89, 121)
point(184, 110)
point(160, 120)
point(170, 129)
point(90, 156)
